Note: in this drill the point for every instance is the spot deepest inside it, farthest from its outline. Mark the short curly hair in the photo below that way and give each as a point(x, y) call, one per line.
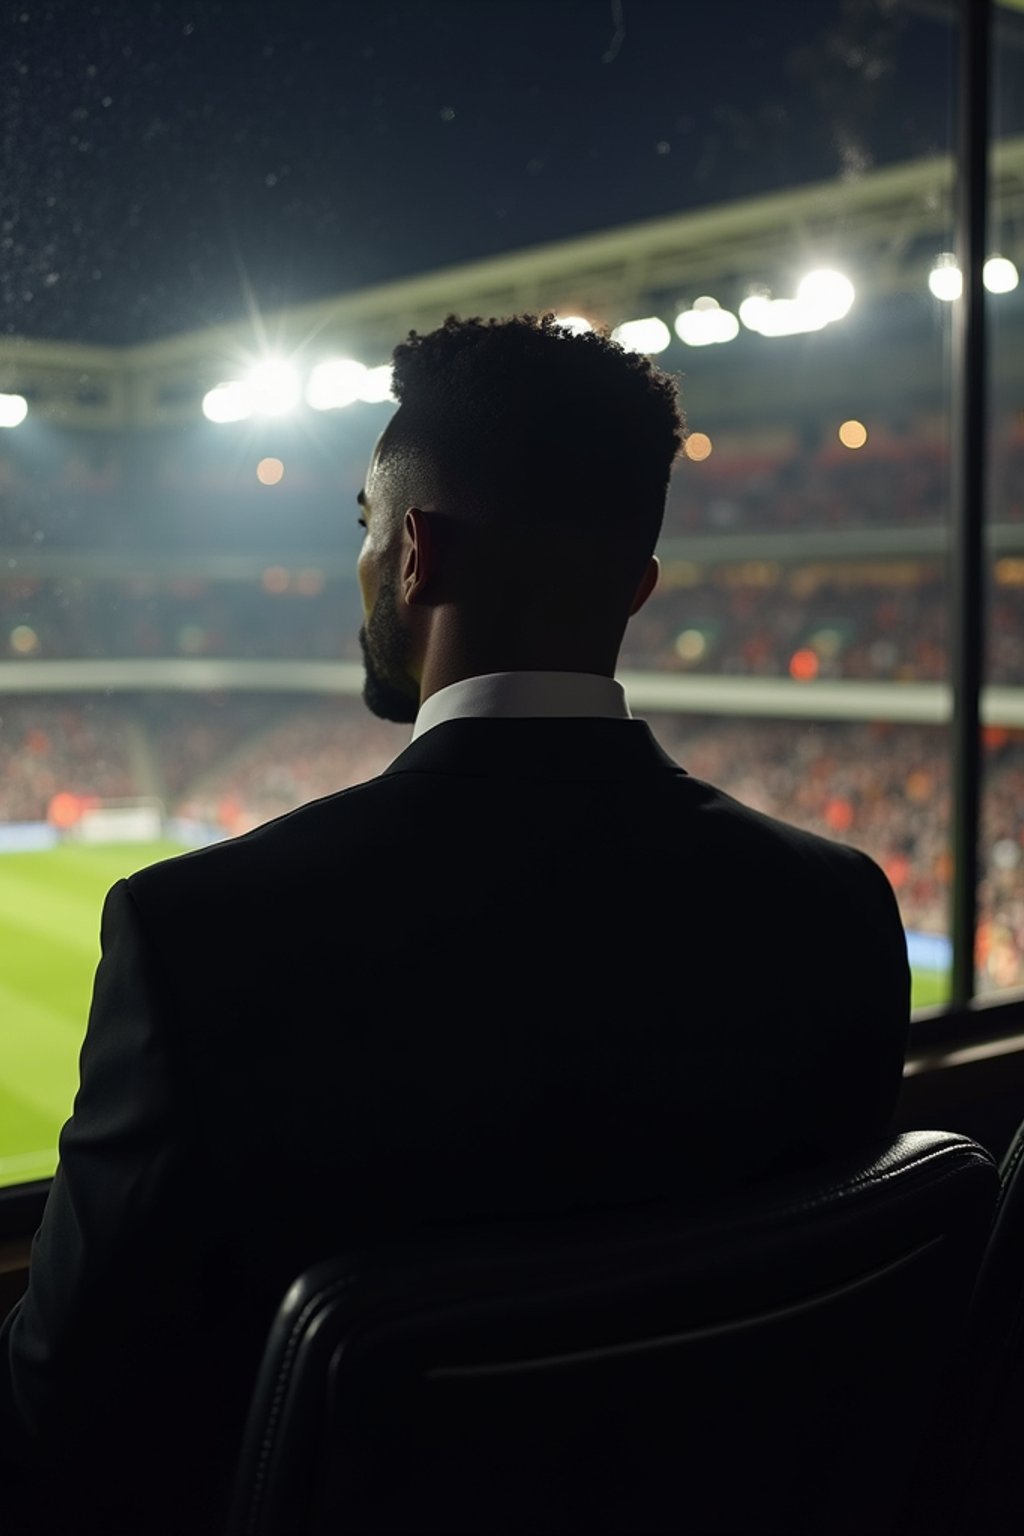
point(534, 426)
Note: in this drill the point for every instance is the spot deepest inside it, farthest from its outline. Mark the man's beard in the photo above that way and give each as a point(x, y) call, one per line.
point(388, 690)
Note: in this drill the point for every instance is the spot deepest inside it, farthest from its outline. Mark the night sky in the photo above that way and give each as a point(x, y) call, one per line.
point(158, 159)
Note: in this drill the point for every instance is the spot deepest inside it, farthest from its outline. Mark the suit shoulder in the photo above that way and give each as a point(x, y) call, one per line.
point(294, 839)
point(732, 820)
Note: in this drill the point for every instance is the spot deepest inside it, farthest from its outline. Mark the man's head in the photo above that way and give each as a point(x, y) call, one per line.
point(512, 505)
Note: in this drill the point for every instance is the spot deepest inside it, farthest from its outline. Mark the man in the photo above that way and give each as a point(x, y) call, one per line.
point(505, 977)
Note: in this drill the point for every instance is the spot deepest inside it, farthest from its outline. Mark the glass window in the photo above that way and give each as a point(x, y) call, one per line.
point(214, 233)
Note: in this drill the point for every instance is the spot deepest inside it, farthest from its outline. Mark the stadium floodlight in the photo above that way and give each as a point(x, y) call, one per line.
point(945, 279)
point(13, 410)
point(227, 402)
point(578, 325)
point(706, 324)
point(780, 317)
point(999, 275)
point(754, 308)
point(649, 335)
point(376, 386)
point(335, 383)
point(826, 293)
point(272, 387)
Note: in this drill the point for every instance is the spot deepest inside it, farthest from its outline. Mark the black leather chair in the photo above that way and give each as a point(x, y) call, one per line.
point(770, 1366)
point(992, 1500)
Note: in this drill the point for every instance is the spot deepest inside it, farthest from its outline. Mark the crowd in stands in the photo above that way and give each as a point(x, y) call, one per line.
point(190, 735)
point(869, 630)
point(51, 747)
point(201, 492)
point(309, 751)
point(888, 483)
point(821, 628)
point(232, 762)
point(281, 615)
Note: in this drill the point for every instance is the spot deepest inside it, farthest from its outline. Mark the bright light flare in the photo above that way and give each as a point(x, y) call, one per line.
point(999, 275)
point(822, 297)
point(780, 317)
point(376, 386)
point(577, 325)
point(335, 383)
point(13, 410)
point(754, 309)
point(826, 293)
point(706, 324)
point(227, 402)
point(649, 335)
point(272, 387)
point(945, 279)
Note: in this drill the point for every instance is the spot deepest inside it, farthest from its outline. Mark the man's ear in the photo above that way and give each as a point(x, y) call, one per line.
point(648, 582)
point(418, 555)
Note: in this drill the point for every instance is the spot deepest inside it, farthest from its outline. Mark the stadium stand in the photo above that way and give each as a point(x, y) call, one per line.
point(844, 627)
point(802, 480)
point(229, 763)
point(50, 747)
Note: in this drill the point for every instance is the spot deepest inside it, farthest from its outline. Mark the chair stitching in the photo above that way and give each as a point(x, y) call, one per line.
point(876, 1177)
point(329, 1293)
point(1014, 1160)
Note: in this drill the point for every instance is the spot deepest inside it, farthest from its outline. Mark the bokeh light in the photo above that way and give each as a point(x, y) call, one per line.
point(335, 383)
point(999, 274)
point(691, 646)
point(803, 665)
point(23, 640)
point(649, 335)
point(827, 643)
point(839, 815)
point(270, 471)
point(706, 324)
point(853, 434)
point(827, 294)
point(64, 810)
point(13, 410)
point(780, 317)
point(227, 402)
point(697, 447)
point(945, 279)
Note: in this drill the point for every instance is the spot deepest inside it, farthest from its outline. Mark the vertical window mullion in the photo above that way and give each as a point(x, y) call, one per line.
point(969, 381)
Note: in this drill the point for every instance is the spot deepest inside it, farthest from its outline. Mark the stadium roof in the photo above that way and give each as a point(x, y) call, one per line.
point(884, 228)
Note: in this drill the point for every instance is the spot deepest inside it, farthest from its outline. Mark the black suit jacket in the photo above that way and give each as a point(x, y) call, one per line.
point(534, 966)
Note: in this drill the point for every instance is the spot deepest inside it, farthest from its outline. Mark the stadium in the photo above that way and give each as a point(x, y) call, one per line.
point(180, 614)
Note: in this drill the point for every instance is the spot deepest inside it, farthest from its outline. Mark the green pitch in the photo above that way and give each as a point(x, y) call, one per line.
point(49, 943)
point(50, 906)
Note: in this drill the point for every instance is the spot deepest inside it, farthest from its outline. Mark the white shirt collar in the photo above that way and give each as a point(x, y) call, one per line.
point(520, 695)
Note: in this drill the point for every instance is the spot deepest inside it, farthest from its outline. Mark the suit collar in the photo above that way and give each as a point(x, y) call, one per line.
point(538, 749)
